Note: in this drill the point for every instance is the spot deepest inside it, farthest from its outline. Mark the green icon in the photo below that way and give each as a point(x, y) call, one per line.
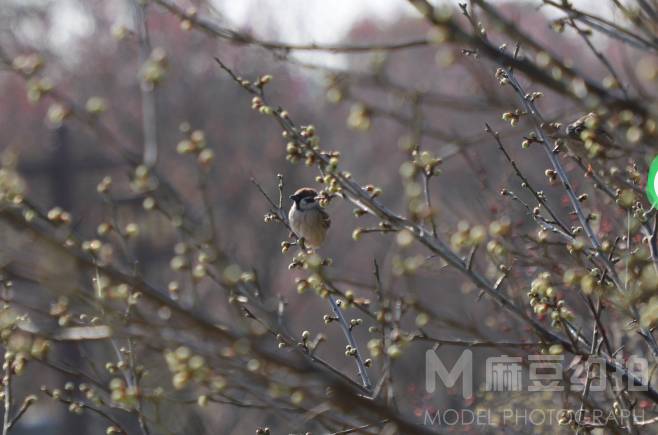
point(652, 183)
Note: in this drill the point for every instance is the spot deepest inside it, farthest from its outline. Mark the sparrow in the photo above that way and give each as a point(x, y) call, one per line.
point(307, 218)
point(589, 138)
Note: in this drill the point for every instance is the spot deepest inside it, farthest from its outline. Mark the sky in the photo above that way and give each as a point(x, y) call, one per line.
point(297, 21)
point(326, 21)
point(294, 21)
point(313, 20)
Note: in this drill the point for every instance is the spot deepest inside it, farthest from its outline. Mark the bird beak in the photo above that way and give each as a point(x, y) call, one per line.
point(293, 197)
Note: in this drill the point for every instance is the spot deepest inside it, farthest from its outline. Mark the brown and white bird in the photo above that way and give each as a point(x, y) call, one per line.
point(589, 138)
point(307, 218)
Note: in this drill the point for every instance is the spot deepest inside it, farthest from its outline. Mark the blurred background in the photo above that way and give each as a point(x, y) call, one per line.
point(362, 104)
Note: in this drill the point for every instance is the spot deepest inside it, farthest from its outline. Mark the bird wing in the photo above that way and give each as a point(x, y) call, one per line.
point(326, 221)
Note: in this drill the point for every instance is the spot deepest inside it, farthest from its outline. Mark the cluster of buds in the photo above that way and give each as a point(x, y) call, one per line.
point(533, 96)
point(501, 76)
point(257, 103)
point(407, 265)
point(421, 161)
point(37, 88)
point(263, 80)
point(640, 272)
point(513, 117)
point(334, 94)
point(398, 342)
point(360, 117)
point(332, 187)
point(335, 90)
point(349, 300)
point(355, 322)
point(57, 114)
point(93, 246)
point(636, 126)
point(190, 15)
point(102, 252)
point(60, 310)
point(298, 260)
point(302, 284)
point(558, 25)
point(310, 261)
point(315, 282)
point(577, 245)
point(131, 230)
point(501, 227)
point(592, 146)
point(15, 362)
point(104, 228)
point(195, 144)
point(529, 139)
point(142, 180)
point(311, 140)
point(375, 347)
point(27, 345)
point(626, 198)
point(203, 260)
point(75, 407)
point(20, 343)
point(588, 282)
point(609, 82)
point(174, 289)
point(233, 275)
point(12, 185)
point(154, 69)
point(351, 350)
point(307, 342)
point(633, 173)
point(126, 395)
point(426, 161)
point(103, 187)
point(498, 230)
point(467, 236)
point(294, 151)
point(328, 318)
point(334, 160)
point(148, 203)
point(120, 32)
point(58, 216)
point(122, 292)
point(96, 105)
point(544, 300)
point(327, 194)
point(28, 64)
point(372, 190)
point(186, 367)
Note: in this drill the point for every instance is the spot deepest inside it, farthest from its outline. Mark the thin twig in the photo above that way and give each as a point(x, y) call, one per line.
point(149, 108)
point(363, 373)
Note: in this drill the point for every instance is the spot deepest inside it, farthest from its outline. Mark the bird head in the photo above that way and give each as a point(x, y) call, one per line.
point(304, 197)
